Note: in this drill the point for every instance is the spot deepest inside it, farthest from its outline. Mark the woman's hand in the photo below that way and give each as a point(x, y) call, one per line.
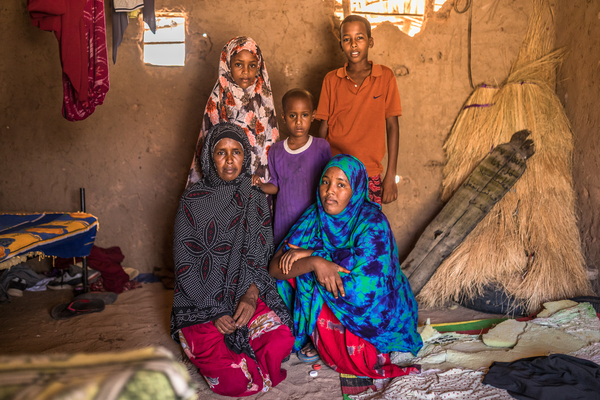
point(225, 325)
point(246, 307)
point(304, 264)
point(291, 256)
point(328, 276)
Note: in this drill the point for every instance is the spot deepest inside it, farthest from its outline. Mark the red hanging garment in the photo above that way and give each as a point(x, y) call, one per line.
point(80, 28)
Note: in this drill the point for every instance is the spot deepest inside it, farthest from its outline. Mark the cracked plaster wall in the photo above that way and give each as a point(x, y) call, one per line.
point(578, 29)
point(132, 155)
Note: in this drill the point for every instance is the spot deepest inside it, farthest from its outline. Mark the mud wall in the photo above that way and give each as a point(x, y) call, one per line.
point(132, 155)
point(578, 29)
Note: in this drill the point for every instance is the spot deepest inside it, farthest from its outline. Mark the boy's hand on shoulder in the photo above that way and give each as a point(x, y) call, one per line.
point(323, 129)
point(389, 189)
point(268, 188)
point(256, 180)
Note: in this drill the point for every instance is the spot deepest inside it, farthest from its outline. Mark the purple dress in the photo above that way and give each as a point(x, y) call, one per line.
point(296, 173)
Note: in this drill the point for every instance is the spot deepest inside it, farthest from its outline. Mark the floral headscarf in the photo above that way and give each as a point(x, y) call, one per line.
point(252, 109)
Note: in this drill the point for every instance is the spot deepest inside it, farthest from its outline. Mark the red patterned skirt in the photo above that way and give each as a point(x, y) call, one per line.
point(375, 188)
point(347, 353)
point(232, 374)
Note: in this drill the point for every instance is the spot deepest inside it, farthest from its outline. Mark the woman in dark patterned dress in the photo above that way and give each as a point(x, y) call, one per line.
point(227, 313)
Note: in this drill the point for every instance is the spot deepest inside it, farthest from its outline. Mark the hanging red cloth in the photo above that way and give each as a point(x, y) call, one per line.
point(80, 28)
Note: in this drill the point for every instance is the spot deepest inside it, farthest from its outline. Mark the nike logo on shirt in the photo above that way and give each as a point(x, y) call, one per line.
point(374, 97)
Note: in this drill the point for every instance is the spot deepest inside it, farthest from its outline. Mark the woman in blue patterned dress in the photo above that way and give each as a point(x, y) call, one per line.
point(339, 273)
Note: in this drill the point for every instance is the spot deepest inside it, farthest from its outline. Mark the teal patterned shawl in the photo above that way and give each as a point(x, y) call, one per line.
point(379, 305)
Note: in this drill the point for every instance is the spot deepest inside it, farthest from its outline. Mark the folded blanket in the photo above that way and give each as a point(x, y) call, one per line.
point(149, 373)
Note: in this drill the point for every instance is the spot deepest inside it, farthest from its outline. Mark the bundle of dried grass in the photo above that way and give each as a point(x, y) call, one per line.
point(529, 243)
point(464, 160)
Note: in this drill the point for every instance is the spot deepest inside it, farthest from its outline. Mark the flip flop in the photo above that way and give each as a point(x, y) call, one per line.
point(77, 307)
point(106, 297)
point(308, 359)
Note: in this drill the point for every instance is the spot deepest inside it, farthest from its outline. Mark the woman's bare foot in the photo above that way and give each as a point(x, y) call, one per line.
point(309, 350)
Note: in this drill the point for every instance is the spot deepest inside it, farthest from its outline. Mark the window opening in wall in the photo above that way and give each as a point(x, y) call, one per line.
point(407, 15)
point(167, 46)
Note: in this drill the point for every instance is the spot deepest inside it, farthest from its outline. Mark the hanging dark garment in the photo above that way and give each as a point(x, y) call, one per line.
point(149, 15)
point(121, 21)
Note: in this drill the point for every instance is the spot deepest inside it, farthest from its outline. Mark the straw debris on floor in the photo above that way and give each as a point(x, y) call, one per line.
point(529, 243)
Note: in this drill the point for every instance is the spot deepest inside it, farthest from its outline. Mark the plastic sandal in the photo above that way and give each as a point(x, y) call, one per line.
point(308, 359)
point(106, 297)
point(77, 307)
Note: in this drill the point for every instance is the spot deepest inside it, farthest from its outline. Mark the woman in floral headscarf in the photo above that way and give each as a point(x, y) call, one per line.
point(242, 96)
point(339, 273)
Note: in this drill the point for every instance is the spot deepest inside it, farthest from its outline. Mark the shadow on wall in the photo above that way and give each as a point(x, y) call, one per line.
point(290, 62)
point(133, 154)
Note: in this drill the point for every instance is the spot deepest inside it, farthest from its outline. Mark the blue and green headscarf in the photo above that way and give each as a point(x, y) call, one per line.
point(379, 305)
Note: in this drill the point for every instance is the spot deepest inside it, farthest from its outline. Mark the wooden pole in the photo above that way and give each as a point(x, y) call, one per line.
point(486, 185)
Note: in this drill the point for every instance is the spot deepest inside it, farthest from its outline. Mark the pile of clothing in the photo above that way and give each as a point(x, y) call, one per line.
point(105, 274)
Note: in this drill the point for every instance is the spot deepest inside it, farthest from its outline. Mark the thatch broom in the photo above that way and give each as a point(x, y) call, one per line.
point(465, 160)
point(491, 180)
point(529, 243)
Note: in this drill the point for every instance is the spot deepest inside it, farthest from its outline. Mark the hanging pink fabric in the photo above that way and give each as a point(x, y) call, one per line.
point(80, 28)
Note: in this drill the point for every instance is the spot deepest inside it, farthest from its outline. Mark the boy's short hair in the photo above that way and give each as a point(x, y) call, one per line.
point(298, 93)
point(357, 18)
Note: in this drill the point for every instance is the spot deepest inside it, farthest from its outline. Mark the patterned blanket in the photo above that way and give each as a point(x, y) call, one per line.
point(51, 234)
point(149, 374)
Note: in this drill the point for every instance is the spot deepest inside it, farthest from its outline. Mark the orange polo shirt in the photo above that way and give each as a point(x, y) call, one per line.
point(356, 115)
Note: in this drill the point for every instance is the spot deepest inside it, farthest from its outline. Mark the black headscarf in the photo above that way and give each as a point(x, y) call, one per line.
point(222, 244)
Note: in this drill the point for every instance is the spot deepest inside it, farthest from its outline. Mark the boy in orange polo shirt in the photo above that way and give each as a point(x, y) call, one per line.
point(358, 103)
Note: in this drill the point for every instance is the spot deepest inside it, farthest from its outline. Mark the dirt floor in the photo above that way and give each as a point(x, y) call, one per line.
point(140, 318)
